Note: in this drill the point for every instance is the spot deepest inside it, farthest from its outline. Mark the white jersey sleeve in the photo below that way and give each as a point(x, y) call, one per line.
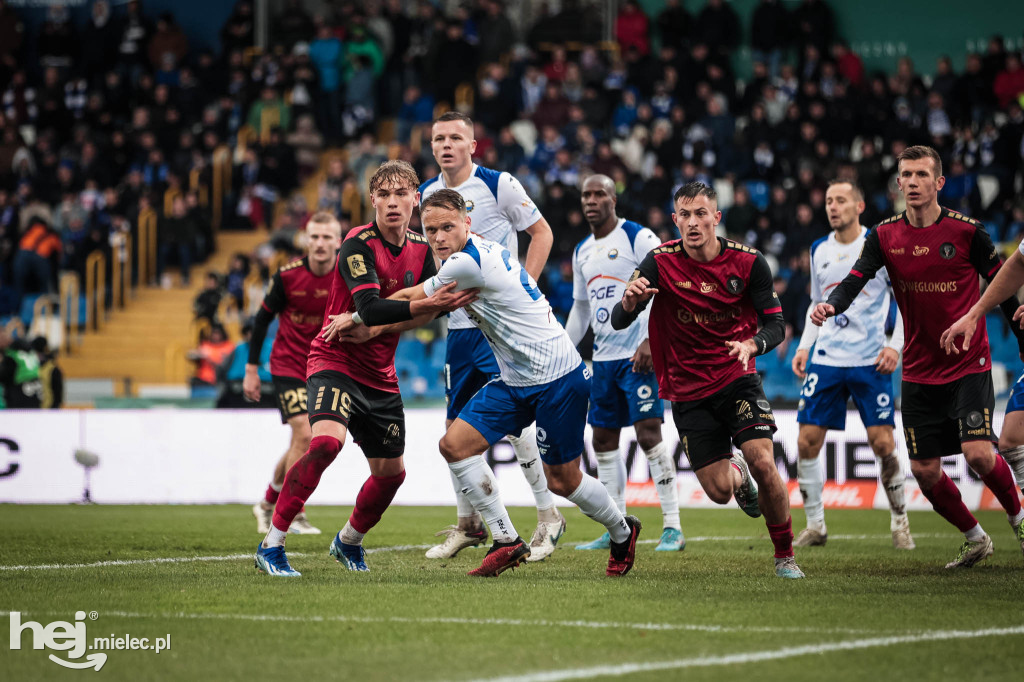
point(515, 204)
point(460, 268)
point(579, 285)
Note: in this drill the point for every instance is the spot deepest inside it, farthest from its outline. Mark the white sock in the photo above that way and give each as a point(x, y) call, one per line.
point(277, 487)
point(1014, 520)
point(350, 536)
point(975, 534)
point(611, 470)
point(594, 501)
point(812, 483)
point(275, 538)
point(1015, 458)
point(525, 447)
point(477, 482)
point(663, 471)
point(893, 479)
point(464, 508)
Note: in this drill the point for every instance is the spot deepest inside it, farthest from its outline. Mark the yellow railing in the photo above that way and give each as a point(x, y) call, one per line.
point(69, 293)
point(121, 268)
point(221, 183)
point(147, 246)
point(174, 363)
point(95, 289)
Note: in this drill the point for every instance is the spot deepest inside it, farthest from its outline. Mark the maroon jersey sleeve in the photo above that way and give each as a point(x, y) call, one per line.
point(766, 304)
point(358, 266)
point(987, 262)
point(274, 301)
point(870, 261)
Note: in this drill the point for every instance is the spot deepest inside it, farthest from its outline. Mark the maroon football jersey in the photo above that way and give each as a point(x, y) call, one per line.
point(367, 261)
point(934, 273)
point(299, 298)
point(700, 306)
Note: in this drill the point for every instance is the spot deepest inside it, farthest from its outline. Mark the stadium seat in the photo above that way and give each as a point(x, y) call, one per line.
point(759, 193)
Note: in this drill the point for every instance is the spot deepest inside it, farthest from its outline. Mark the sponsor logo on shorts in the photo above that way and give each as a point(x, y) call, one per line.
point(587, 373)
point(644, 392)
point(800, 405)
point(764, 405)
point(974, 420)
point(947, 250)
point(743, 409)
point(542, 435)
point(883, 400)
point(762, 427)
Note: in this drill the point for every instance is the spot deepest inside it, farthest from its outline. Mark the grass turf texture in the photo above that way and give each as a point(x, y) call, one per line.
point(412, 618)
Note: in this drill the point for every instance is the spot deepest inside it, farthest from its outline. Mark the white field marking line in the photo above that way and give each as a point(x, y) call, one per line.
point(394, 548)
point(753, 656)
point(441, 620)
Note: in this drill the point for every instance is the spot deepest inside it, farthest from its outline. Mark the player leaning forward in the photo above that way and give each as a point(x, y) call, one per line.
point(933, 257)
point(851, 360)
point(351, 381)
point(542, 378)
point(703, 326)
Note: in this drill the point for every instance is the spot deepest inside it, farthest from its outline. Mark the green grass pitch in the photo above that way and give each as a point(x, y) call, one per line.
point(712, 612)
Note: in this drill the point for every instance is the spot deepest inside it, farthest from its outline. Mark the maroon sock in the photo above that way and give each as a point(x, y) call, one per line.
point(302, 479)
point(782, 537)
point(271, 495)
point(373, 499)
point(1000, 482)
point(945, 499)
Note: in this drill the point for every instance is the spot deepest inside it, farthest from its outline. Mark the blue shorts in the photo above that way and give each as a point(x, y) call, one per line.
point(468, 364)
point(559, 407)
point(1016, 401)
point(621, 397)
point(826, 390)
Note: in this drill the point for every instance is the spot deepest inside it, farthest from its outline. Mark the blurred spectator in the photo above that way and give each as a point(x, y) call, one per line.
point(326, 53)
point(207, 301)
point(19, 373)
point(134, 31)
point(814, 25)
point(168, 44)
point(51, 377)
point(1009, 83)
point(176, 238)
point(237, 33)
point(631, 28)
point(455, 63)
point(674, 24)
point(770, 31)
point(718, 26)
point(497, 35)
point(37, 259)
point(417, 110)
point(270, 111)
point(209, 355)
point(292, 25)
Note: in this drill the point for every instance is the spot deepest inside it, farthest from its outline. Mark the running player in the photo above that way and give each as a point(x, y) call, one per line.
point(624, 390)
point(542, 379)
point(500, 209)
point(355, 386)
point(298, 293)
point(851, 360)
point(1007, 281)
point(704, 335)
point(933, 257)
point(20, 387)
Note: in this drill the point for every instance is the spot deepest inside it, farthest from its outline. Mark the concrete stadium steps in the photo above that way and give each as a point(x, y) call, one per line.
point(146, 342)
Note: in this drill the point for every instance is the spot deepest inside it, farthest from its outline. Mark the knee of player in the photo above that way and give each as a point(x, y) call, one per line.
point(808, 444)
point(301, 436)
point(560, 486)
point(448, 449)
point(979, 456)
point(882, 444)
point(648, 438)
point(1010, 441)
point(324, 447)
point(926, 472)
point(605, 443)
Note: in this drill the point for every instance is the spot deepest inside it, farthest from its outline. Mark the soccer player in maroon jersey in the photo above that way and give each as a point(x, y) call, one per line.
point(713, 294)
point(298, 293)
point(933, 257)
point(355, 387)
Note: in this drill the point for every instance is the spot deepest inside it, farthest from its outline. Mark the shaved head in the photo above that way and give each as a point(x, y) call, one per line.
point(598, 201)
point(600, 181)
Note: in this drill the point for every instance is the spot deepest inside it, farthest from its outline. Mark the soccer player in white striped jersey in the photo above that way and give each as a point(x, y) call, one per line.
point(851, 360)
point(624, 390)
point(542, 378)
point(500, 209)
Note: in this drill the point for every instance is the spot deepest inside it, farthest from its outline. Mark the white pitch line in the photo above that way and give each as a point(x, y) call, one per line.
point(753, 656)
point(441, 620)
point(393, 548)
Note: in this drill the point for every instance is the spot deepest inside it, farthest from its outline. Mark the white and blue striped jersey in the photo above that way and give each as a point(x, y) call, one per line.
point(854, 338)
point(499, 208)
point(530, 345)
point(601, 269)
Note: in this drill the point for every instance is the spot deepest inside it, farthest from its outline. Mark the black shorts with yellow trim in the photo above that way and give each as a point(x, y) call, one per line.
point(939, 418)
point(291, 396)
point(710, 426)
point(375, 418)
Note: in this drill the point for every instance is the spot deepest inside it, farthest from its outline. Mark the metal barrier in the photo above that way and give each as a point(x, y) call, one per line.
point(147, 246)
point(121, 268)
point(95, 289)
point(69, 306)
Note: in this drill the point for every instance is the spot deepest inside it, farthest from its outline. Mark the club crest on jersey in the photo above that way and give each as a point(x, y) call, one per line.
point(708, 287)
point(356, 266)
point(947, 250)
point(921, 250)
point(602, 315)
point(842, 320)
point(409, 279)
point(734, 284)
point(469, 205)
point(613, 254)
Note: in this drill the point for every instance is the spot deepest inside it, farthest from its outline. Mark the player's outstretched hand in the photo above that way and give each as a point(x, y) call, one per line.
point(964, 327)
point(887, 360)
point(742, 351)
point(251, 384)
point(800, 363)
point(643, 361)
point(822, 312)
point(446, 299)
point(337, 325)
point(638, 291)
point(359, 334)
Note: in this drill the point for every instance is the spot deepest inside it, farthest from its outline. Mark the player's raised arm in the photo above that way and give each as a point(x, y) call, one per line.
point(870, 262)
point(642, 286)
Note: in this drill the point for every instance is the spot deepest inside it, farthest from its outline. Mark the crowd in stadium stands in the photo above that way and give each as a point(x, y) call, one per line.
point(121, 116)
